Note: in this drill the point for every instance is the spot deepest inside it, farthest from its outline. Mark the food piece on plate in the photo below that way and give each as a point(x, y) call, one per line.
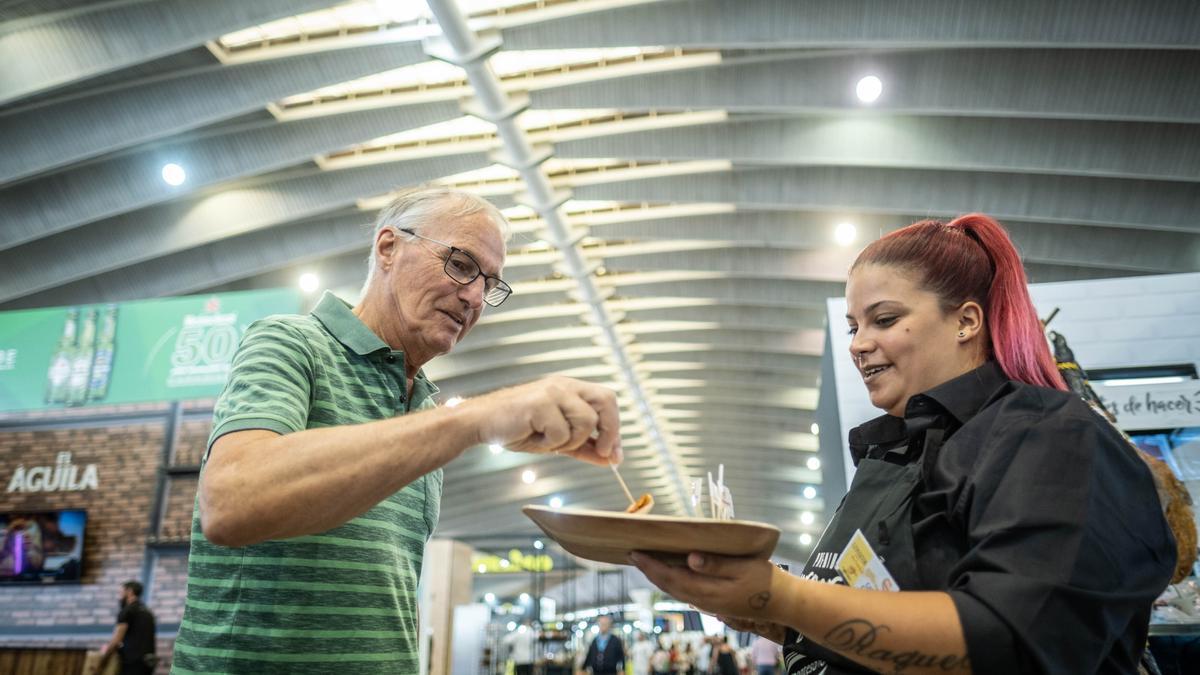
point(642, 505)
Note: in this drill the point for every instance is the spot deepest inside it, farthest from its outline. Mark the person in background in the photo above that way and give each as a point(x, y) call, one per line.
point(687, 660)
point(322, 481)
point(519, 645)
point(660, 661)
point(704, 656)
point(1022, 531)
point(765, 655)
point(640, 653)
point(725, 661)
point(133, 638)
point(606, 650)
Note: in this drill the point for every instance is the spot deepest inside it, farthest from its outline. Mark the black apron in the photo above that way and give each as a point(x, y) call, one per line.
point(880, 503)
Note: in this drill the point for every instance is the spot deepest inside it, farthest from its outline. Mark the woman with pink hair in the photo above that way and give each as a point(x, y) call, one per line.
point(1022, 533)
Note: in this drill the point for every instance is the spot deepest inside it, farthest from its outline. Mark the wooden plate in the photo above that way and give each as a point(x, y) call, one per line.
point(608, 536)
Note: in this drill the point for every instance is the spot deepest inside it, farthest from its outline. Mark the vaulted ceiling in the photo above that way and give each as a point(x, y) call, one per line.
point(705, 151)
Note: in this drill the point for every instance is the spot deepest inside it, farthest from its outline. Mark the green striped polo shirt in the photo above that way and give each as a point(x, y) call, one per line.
point(345, 600)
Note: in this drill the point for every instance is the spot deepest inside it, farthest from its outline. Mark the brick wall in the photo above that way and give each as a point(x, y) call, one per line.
point(191, 442)
point(126, 444)
point(177, 514)
point(170, 588)
point(127, 460)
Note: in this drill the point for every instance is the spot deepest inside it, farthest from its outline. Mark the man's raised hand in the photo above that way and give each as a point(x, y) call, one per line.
point(552, 415)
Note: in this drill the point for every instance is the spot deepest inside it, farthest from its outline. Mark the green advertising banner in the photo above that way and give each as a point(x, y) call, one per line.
point(149, 350)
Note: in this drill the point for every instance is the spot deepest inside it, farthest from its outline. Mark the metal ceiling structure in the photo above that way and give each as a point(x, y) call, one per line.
point(693, 160)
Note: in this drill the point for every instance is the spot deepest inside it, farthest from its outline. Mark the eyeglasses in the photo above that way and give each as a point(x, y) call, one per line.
point(463, 268)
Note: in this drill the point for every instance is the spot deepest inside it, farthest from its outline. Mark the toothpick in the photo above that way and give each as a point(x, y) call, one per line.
point(624, 487)
point(721, 488)
point(712, 500)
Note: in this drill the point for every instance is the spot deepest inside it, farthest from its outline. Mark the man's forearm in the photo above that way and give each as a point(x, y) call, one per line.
point(118, 637)
point(260, 485)
point(911, 632)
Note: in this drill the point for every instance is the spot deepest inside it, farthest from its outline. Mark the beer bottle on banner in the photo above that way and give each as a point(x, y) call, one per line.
point(105, 350)
point(60, 363)
point(81, 363)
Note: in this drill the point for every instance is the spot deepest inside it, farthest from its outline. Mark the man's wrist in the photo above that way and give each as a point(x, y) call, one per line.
point(469, 416)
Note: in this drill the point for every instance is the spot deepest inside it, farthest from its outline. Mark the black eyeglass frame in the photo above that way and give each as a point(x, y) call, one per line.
point(489, 295)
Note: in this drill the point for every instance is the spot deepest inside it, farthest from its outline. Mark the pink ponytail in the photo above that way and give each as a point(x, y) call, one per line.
point(972, 258)
point(1018, 342)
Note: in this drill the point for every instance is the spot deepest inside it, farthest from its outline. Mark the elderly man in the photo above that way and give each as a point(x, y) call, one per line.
point(323, 476)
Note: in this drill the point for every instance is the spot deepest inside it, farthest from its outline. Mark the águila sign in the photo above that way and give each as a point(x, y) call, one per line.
point(62, 477)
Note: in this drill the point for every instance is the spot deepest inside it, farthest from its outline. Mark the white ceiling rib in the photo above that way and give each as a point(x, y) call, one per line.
point(460, 45)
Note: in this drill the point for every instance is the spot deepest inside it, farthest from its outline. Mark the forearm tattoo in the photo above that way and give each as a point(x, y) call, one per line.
point(857, 637)
point(759, 600)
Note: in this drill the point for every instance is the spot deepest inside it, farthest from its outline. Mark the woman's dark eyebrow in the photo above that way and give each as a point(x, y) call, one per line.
point(871, 307)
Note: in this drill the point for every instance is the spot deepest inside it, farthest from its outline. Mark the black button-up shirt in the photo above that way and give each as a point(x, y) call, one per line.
point(1030, 510)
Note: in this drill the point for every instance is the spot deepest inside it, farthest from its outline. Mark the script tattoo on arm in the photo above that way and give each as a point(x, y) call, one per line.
point(857, 637)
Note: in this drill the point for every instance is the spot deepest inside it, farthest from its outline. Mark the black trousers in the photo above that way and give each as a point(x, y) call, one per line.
point(136, 668)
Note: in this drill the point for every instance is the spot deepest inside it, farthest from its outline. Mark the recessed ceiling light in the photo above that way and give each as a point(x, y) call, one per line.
point(813, 464)
point(869, 88)
point(807, 517)
point(173, 174)
point(309, 282)
point(528, 476)
point(810, 492)
point(537, 543)
point(805, 539)
point(496, 448)
point(814, 429)
point(845, 234)
point(555, 503)
point(489, 598)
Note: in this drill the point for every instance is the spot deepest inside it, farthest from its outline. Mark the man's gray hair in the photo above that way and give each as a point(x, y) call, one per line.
point(416, 208)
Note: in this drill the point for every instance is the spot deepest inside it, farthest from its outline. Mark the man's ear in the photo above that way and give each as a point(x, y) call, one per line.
point(385, 247)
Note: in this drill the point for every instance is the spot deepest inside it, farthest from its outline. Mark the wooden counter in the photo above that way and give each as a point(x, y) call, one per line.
point(53, 661)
